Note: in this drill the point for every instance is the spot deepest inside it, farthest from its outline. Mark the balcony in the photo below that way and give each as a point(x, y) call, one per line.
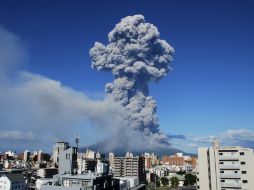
point(229, 157)
point(230, 175)
point(234, 185)
point(229, 166)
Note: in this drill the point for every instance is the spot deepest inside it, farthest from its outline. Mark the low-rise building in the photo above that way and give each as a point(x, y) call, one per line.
point(81, 182)
point(86, 165)
point(47, 172)
point(179, 162)
point(11, 181)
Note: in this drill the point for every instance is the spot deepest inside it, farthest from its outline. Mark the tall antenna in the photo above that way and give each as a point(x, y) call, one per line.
point(77, 139)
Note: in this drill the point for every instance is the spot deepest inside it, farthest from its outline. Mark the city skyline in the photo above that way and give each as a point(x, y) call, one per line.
point(46, 72)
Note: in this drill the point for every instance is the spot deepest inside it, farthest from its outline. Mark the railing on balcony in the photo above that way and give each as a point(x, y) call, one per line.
point(235, 185)
point(229, 166)
point(229, 157)
point(230, 175)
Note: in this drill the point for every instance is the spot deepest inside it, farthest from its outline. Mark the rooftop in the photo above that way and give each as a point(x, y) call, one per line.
point(15, 176)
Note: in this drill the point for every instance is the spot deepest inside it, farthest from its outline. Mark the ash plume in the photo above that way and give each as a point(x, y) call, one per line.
point(136, 56)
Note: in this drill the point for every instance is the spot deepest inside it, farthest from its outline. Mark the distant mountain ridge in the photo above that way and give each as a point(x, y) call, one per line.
point(120, 151)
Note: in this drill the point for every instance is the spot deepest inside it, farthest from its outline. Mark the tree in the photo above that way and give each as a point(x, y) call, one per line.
point(155, 180)
point(181, 172)
point(158, 184)
point(174, 182)
point(190, 179)
point(164, 181)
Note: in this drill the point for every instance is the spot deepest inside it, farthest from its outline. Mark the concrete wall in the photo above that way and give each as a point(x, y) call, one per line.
point(68, 161)
point(203, 174)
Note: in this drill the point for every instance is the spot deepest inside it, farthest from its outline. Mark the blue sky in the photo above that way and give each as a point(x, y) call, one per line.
point(210, 91)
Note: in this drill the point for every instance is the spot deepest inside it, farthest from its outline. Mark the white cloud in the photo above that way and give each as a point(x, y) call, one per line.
point(238, 135)
point(202, 139)
point(230, 137)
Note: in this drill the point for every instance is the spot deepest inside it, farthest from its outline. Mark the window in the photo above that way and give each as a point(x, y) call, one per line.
point(221, 162)
point(242, 163)
point(236, 172)
point(220, 153)
point(244, 172)
point(245, 181)
point(222, 180)
point(84, 183)
point(221, 172)
point(241, 153)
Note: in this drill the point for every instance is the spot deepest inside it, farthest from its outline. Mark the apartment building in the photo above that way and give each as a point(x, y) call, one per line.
point(57, 148)
point(177, 160)
point(12, 181)
point(151, 159)
point(225, 168)
point(129, 166)
point(181, 162)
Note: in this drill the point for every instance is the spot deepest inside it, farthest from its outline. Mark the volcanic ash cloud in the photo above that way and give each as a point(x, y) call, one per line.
point(135, 55)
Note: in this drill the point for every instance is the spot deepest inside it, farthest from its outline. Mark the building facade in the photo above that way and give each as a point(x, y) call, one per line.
point(12, 181)
point(129, 166)
point(47, 172)
point(225, 168)
point(26, 156)
point(68, 162)
point(86, 165)
point(81, 182)
point(57, 148)
point(150, 160)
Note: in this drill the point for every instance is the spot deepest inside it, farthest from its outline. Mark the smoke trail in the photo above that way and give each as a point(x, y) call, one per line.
point(136, 55)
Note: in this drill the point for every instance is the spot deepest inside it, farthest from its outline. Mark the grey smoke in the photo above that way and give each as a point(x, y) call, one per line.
point(136, 56)
point(36, 111)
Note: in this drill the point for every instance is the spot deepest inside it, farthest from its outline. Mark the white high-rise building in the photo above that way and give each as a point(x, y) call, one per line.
point(90, 154)
point(10, 153)
point(57, 148)
point(225, 168)
point(40, 156)
point(111, 158)
point(26, 156)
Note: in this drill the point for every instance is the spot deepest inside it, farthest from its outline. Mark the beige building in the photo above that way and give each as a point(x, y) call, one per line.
point(151, 160)
point(129, 166)
point(225, 168)
point(111, 158)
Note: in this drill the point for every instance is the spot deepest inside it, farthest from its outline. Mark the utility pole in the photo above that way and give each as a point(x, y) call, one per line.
point(77, 139)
